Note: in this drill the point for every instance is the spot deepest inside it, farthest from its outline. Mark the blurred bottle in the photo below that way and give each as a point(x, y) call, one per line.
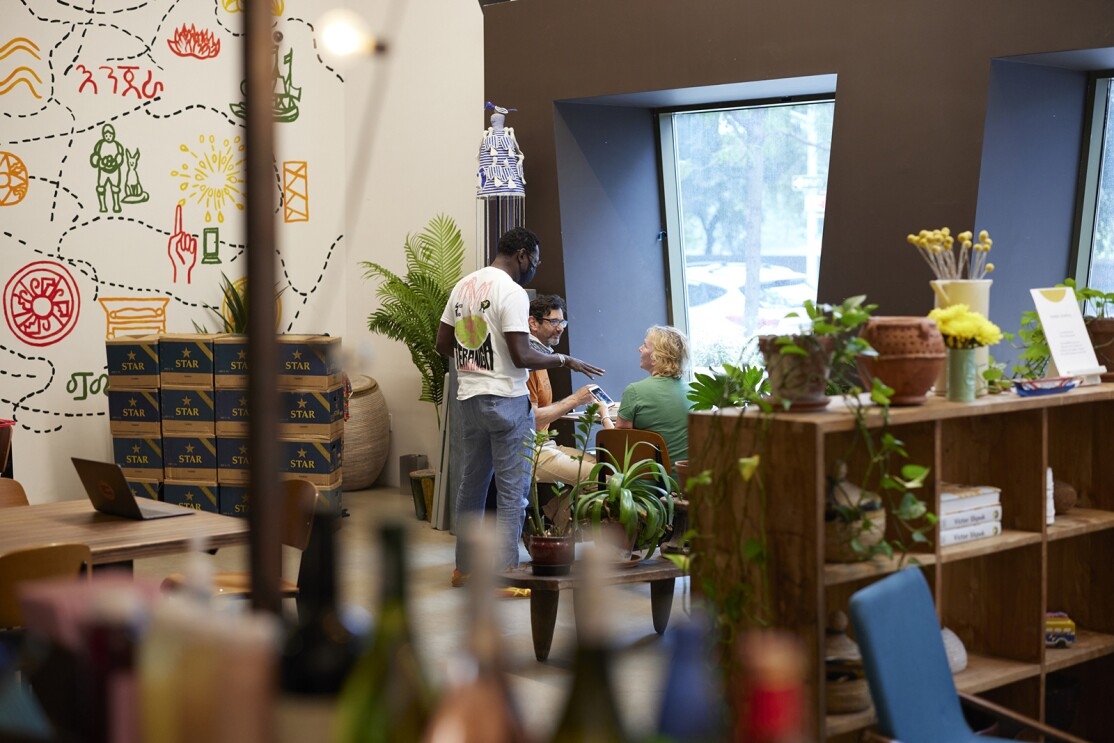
point(479, 707)
point(319, 651)
point(386, 698)
point(692, 709)
point(772, 708)
point(591, 715)
point(112, 630)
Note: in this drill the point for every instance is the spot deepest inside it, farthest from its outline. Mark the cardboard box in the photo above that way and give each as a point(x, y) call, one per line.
point(234, 500)
point(319, 415)
point(309, 362)
point(134, 412)
point(200, 495)
point(230, 361)
point(232, 412)
point(140, 457)
point(232, 460)
point(133, 362)
point(150, 489)
point(316, 461)
point(188, 410)
point(186, 360)
point(190, 457)
point(330, 495)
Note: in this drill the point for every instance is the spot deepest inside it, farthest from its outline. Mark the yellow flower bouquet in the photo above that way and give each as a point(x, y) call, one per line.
point(937, 247)
point(964, 328)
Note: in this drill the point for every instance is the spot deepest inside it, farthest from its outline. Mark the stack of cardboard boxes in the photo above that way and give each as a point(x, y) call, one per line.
point(197, 401)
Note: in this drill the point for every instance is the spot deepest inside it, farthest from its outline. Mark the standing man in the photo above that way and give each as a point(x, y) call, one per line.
point(484, 329)
point(555, 463)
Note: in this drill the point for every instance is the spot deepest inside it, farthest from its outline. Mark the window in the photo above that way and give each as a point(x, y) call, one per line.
point(1095, 263)
point(744, 196)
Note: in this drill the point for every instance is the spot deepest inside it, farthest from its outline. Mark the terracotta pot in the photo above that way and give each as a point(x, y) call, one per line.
point(551, 555)
point(800, 380)
point(911, 353)
point(1101, 331)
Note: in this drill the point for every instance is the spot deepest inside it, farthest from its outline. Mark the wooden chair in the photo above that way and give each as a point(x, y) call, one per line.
point(907, 668)
point(299, 499)
point(12, 493)
point(37, 563)
point(644, 445)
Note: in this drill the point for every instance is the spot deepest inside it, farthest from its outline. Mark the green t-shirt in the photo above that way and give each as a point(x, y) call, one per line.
point(660, 404)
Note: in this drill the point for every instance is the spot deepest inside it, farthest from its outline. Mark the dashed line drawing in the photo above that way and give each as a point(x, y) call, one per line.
point(41, 303)
point(13, 179)
point(213, 178)
point(193, 42)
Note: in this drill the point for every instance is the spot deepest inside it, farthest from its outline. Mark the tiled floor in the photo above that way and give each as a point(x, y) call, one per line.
point(438, 612)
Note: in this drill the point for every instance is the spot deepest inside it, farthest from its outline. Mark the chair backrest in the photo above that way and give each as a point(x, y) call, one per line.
point(299, 499)
point(643, 444)
point(906, 664)
point(12, 493)
point(37, 563)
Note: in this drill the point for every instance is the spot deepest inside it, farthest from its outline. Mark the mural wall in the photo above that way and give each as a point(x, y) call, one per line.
point(122, 198)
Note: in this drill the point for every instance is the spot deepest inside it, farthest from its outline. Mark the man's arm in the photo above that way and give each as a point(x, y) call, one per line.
point(525, 357)
point(544, 416)
point(446, 344)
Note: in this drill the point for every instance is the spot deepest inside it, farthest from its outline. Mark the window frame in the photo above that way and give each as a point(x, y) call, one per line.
point(1095, 136)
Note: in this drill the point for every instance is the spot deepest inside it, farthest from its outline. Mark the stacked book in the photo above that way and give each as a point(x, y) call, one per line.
point(969, 512)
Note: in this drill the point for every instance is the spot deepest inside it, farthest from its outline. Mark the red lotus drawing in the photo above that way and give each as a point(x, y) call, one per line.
point(189, 42)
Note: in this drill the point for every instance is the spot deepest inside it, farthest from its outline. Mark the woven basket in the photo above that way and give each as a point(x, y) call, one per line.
point(367, 434)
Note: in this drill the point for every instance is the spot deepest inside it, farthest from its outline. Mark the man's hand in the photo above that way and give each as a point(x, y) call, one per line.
point(583, 396)
point(182, 248)
point(583, 367)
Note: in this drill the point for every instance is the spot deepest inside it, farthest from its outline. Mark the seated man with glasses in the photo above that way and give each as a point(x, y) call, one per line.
point(555, 463)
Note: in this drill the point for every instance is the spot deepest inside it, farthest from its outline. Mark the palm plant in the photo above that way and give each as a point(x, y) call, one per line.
point(233, 314)
point(411, 305)
point(637, 493)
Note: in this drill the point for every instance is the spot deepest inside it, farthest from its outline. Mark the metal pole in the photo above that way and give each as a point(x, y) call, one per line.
point(265, 511)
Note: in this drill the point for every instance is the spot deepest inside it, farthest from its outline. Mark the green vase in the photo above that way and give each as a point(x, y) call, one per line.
point(962, 377)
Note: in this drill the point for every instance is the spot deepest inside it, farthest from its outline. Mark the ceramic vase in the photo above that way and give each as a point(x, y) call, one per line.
point(975, 293)
point(911, 355)
point(800, 381)
point(962, 373)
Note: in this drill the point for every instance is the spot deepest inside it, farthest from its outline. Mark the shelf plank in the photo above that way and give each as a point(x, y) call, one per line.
point(984, 672)
point(847, 572)
point(1088, 646)
point(848, 723)
point(1008, 539)
point(1080, 521)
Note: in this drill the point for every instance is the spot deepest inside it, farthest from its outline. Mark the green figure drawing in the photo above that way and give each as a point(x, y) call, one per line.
point(107, 157)
point(284, 105)
point(133, 189)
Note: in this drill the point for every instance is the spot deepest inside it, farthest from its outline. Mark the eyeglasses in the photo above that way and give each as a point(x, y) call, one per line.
point(533, 263)
point(556, 322)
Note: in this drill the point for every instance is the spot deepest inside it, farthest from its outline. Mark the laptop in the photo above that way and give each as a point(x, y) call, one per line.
point(109, 493)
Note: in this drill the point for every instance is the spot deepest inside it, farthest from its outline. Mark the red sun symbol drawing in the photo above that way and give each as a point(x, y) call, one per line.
point(41, 303)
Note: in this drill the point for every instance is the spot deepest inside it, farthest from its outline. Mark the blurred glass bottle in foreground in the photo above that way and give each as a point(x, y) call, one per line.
point(386, 698)
point(772, 707)
point(478, 708)
point(692, 708)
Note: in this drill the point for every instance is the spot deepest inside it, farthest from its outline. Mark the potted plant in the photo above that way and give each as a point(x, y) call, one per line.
point(411, 305)
point(799, 365)
point(1098, 315)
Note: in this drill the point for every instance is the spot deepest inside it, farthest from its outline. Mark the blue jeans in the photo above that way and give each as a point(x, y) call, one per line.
point(493, 439)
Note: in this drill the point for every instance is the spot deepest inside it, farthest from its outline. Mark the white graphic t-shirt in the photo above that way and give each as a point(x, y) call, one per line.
point(482, 307)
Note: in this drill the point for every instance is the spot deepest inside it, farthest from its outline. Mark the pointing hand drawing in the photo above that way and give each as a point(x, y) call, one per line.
point(182, 248)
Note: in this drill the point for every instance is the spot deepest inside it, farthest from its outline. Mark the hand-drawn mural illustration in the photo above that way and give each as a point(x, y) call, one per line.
point(210, 246)
point(193, 42)
point(134, 315)
point(133, 189)
point(182, 248)
point(237, 6)
point(41, 303)
point(213, 179)
point(131, 100)
point(107, 157)
point(295, 191)
point(13, 179)
point(284, 107)
point(22, 73)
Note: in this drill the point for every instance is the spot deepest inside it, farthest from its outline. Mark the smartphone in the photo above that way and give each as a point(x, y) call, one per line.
point(600, 394)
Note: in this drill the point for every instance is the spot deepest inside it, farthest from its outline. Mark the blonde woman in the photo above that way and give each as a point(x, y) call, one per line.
point(659, 402)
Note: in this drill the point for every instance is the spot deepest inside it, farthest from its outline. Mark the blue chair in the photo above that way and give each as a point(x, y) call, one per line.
point(907, 669)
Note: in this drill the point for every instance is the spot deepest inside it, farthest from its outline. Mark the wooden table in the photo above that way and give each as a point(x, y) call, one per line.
point(115, 540)
point(545, 592)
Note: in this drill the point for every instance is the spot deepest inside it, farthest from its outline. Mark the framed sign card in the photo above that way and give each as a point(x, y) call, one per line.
point(1070, 346)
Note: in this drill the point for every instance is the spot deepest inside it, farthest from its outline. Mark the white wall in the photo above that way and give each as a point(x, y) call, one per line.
point(422, 161)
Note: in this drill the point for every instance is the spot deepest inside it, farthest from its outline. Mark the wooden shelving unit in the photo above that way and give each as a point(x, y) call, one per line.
point(993, 593)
